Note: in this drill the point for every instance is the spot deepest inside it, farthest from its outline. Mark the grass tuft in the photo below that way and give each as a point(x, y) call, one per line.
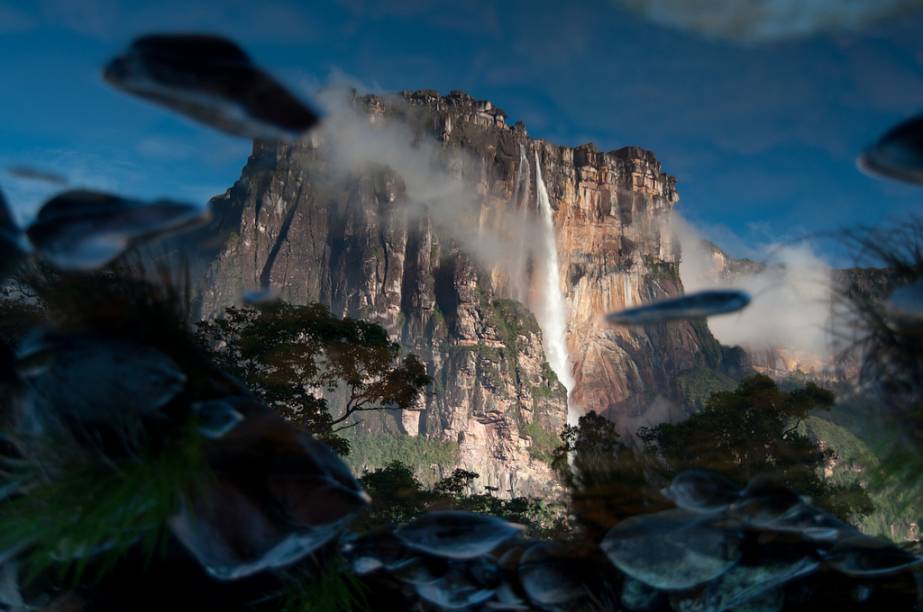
point(66, 515)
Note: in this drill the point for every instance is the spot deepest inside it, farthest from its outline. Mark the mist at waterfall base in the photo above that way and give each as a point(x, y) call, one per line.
point(791, 295)
point(440, 184)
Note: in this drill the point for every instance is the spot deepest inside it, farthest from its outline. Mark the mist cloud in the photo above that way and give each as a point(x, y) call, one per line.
point(791, 295)
point(791, 305)
point(439, 183)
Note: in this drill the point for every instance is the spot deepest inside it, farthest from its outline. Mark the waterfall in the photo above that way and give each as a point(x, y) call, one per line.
point(552, 310)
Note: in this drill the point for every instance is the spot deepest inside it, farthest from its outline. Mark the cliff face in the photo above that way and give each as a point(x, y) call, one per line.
point(610, 213)
point(354, 237)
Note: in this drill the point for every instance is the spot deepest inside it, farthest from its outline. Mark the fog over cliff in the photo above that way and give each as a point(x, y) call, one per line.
point(790, 285)
point(420, 212)
point(434, 185)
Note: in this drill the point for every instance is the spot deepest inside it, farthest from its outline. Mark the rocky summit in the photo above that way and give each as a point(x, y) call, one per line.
point(422, 213)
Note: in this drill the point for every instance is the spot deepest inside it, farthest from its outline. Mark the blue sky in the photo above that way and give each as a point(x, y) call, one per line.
point(762, 137)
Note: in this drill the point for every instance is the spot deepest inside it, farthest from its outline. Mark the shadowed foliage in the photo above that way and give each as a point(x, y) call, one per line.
point(750, 431)
point(290, 355)
point(886, 353)
point(754, 430)
point(608, 478)
point(889, 355)
point(397, 497)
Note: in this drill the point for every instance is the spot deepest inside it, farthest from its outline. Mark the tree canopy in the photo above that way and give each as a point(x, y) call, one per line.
point(608, 478)
point(398, 496)
point(290, 355)
point(754, 430)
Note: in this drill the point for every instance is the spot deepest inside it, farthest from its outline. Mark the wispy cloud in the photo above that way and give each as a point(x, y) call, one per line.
point(791, 294)
point(755, 21)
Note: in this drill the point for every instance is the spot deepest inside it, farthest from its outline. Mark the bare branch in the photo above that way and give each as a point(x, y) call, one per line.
point(337, 429)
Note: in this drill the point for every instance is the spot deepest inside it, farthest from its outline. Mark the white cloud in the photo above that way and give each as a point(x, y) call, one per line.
point(791, 295)
point(767, 20)
point(439, 183)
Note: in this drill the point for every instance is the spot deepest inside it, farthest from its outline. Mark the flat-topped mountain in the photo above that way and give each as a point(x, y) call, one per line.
point(424, 213)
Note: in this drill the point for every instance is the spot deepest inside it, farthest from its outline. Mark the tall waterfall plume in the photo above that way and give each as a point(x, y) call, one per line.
point(551, 310)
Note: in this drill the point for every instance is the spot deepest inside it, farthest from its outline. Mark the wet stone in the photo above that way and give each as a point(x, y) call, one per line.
point(690, 306)
point(211, 80)
point(456, 535)
point(378, 550)
point(95, 380)
point(813, 524)
point(702, 491)
point(672, 550)
point(898, 154)
point(765, 502)
point(552, 578)
point(233, 536)
point(463, 585)
point(84, 230)
point(217, 417)
point(422, 570)
point(745, 583)
point(863, 555)
point(638, 596)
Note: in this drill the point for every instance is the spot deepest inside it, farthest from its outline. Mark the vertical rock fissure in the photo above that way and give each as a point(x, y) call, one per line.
point(266, 273)
point(384, 257)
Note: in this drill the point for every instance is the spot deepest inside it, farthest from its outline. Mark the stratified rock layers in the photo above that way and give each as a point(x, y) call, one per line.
point(300, 222)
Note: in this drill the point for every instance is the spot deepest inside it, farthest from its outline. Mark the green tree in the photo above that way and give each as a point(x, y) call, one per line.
point(397, 496)
point(457, 484)
point(608, 479)
point(755, 430)
point(289, 355)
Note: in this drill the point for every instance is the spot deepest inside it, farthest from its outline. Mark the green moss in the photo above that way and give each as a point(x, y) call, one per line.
point(662, 270)
point(438, 317)
point(698, 384)
point(543, 442)
point(511, 319)
point(550, 375)
point(850, 450)
point(369, 451)
point(490, 367)
point(514, 317)
point(542, 391)
point(483, 297)
point(856, 461)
